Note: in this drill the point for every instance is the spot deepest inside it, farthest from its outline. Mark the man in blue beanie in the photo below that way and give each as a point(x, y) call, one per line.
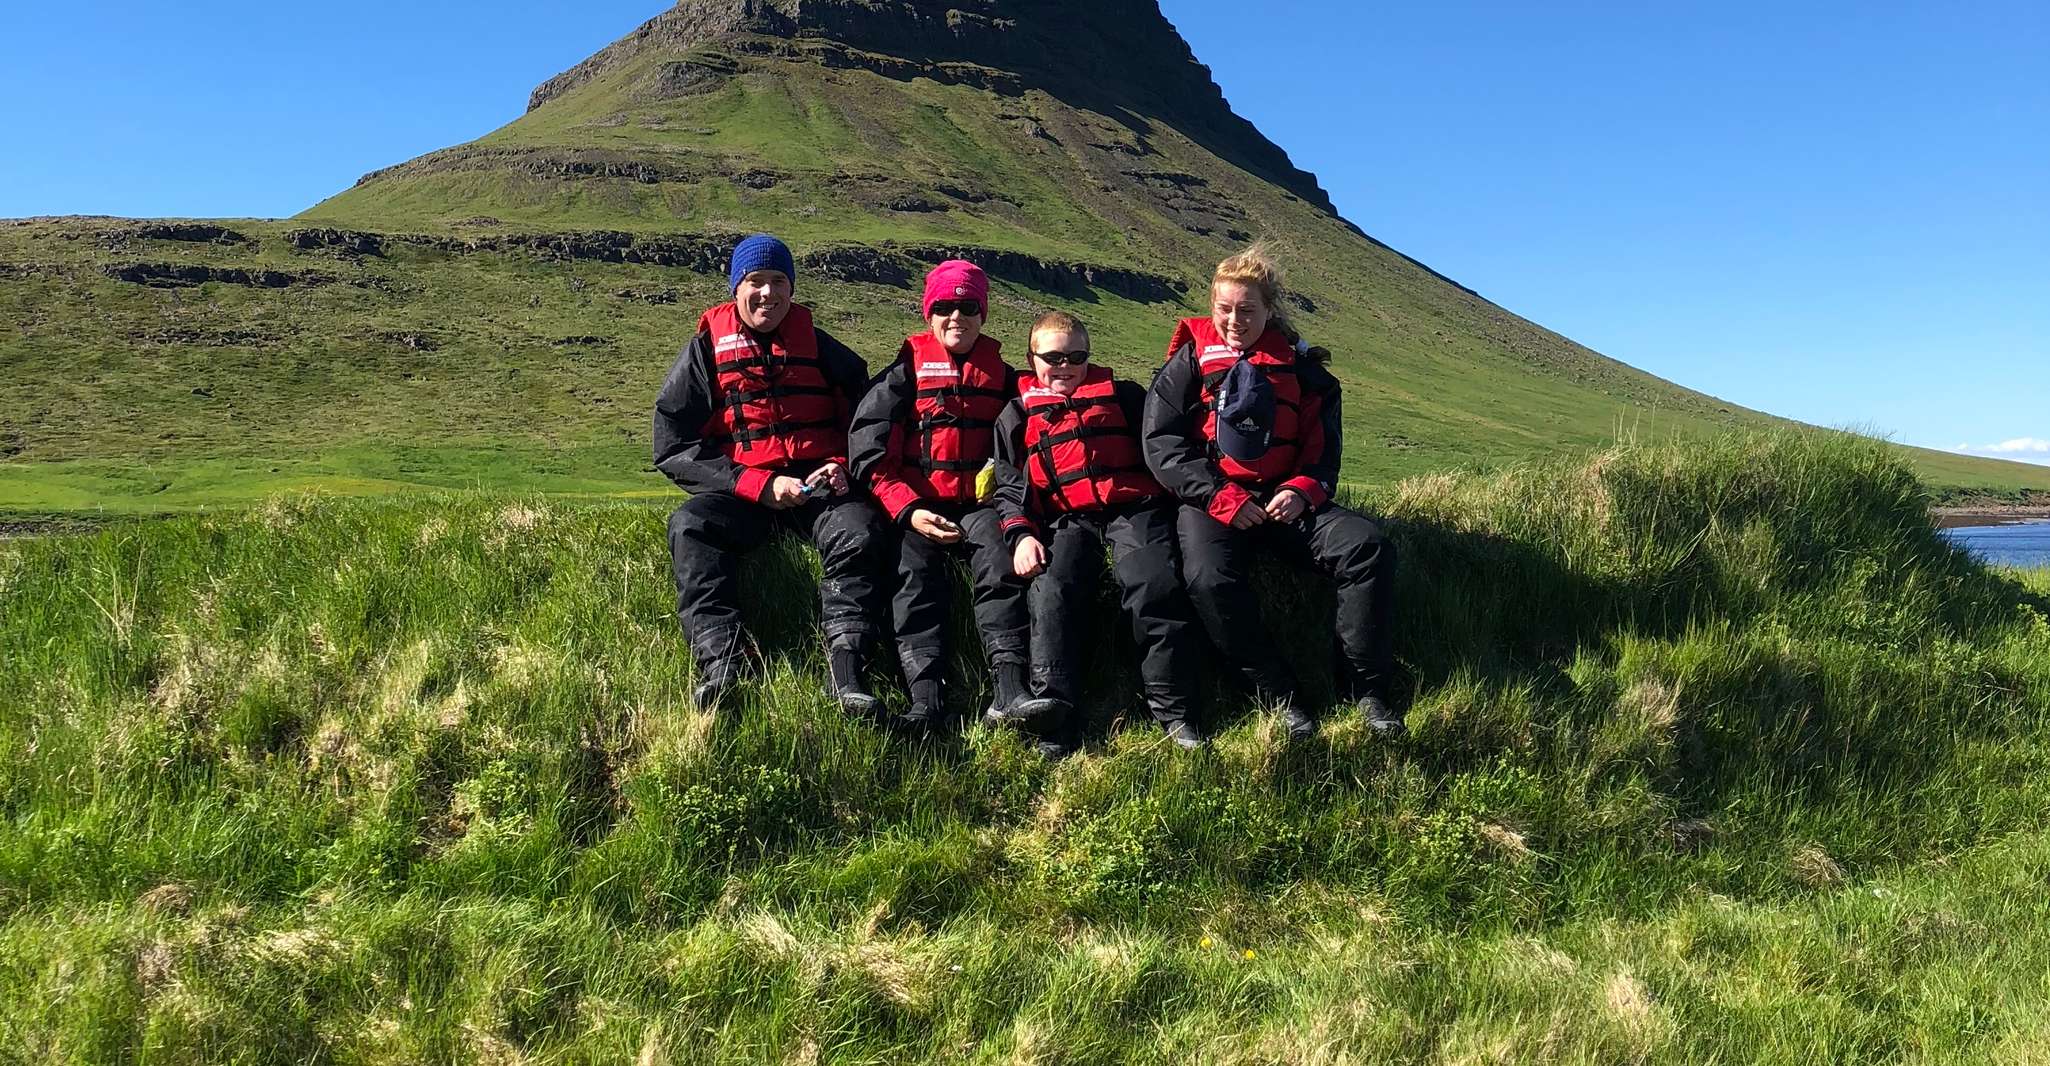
point(752, 422)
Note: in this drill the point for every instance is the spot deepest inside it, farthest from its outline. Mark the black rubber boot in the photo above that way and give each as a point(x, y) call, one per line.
point(723, 663)
point(928, 710)
point(716, 683)
point(847, 666)
point(1058, 744)
point(1010, 689)
point(1030, 711)
point(1380, 717)
point(1184, 734)
point(1301, 724)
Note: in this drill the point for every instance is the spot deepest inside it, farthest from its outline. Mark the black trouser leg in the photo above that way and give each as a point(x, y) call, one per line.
point(1361, 561)
point(1000, 614)
point(1062, 599)
point(1145, 558)
point(707, 536)
point(854, 551)
point(920, 607)
point(1215, 563)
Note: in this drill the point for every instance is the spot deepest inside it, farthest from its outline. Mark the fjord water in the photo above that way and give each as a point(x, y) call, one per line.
point(2024, 544)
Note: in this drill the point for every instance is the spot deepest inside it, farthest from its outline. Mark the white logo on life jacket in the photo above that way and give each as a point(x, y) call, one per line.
point(1217, 355)
point(733, 342)
point(1040, 392)
point(938, 370)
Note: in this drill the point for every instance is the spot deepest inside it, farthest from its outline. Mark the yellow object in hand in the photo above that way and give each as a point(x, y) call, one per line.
point(986, 482)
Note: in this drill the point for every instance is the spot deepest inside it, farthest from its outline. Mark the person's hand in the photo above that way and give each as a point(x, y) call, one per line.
point(934, 527)
point(831, 477)
point(1248, 515)
point(1029, 558)
point(1287, 506)
point(785, 493)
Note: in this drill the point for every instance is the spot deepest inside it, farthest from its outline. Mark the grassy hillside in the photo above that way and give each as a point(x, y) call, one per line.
point(1719, 753)
point(429, 365)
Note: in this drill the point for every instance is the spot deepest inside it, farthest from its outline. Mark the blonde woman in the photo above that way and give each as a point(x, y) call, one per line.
point(1244, 427)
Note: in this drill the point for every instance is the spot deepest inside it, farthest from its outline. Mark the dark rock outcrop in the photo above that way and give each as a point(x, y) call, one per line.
point(188, 275)
point(556, 164)
point(704, 255)
point(208, 338)
point(349, 242)
point(1067, 279)
point(857, 263)
point(911, 203)
point(699, 73)
point(413, 342)
point(701, 254)
point(183, 232)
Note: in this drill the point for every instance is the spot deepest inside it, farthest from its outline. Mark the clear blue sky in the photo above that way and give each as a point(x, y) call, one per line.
point(1832, 211)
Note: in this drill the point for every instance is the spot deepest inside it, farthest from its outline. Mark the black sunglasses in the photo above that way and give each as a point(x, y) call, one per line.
point(1074, 358)
point(943, 308)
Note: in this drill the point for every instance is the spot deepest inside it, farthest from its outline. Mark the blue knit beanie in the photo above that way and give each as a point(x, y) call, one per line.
point(761, 252)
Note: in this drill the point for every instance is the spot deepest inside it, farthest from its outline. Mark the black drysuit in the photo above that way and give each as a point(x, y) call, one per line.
point(1144, 560)
point(921, 605)
point(1216, 558)
point(716, 526)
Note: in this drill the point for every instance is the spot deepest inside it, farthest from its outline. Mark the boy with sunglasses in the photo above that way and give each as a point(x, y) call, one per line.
point(919, 440)
point(1071, 476)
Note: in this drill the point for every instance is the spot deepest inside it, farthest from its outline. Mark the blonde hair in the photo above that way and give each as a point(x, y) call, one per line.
point(1256, 268)
point(1056, 322)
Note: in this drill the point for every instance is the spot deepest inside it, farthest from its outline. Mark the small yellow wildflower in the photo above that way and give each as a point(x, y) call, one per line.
point(1204, 943)
point(1249, 953)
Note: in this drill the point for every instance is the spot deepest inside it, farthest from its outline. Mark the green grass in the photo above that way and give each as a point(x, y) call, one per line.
point(1721, 753)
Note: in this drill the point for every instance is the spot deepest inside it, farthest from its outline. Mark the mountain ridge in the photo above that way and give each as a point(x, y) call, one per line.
point(1000, 45)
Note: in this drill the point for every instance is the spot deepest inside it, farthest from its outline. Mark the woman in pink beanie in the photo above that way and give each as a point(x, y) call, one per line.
point(920, 438)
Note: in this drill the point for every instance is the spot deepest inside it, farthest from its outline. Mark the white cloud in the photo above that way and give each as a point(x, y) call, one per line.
point(2020, 449)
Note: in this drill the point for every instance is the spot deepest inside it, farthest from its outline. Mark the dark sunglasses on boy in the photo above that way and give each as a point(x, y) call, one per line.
point(1074, 358)
point(943, 308)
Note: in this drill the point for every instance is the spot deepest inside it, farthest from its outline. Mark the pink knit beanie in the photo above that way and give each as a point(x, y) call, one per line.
point(957, 279)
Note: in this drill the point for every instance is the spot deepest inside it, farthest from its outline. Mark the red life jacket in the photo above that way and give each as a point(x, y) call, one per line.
point(773, 408)
point(1276, 358)
point(1081, 451)
point(953, 429)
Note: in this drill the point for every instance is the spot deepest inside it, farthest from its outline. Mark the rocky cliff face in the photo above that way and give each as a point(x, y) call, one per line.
point(1120, 58)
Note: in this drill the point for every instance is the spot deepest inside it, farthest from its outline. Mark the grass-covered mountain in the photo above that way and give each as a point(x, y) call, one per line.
point(499, 314)
point(1719, 754)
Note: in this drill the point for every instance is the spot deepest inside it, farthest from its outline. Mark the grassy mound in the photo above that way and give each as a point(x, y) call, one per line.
point(1719, 752)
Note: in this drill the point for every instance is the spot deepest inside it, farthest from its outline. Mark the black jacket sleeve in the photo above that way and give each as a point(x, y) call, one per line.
point(1323, 437)
point(1013, 485)
point(846, 371)
point(875, 440)
point(682, 410)
point(1171, 431)
point(1131, 397)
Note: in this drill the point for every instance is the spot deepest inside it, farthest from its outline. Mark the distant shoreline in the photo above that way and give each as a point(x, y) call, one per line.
point(1983, 515)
